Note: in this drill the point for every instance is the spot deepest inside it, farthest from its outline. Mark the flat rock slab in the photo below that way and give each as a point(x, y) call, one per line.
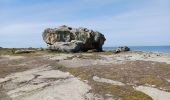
point(155, 93)
point(132, 56)
point(44, 83)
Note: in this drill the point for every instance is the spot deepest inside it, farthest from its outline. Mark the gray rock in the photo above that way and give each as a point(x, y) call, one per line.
point(70, 39)
point(73, 46)
point(121, 49)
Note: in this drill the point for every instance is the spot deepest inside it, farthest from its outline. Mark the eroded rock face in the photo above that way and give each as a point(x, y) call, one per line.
point(70, 39)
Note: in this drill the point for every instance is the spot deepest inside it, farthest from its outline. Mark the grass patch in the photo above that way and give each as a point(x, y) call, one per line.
point(20, 51)
point(6, 51)
point(165, 67)
point(152, 80)
point(79, 72)
point(124, 92)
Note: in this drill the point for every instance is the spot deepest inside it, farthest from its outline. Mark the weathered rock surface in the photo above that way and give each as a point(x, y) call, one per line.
point(70, 39)
point(44, 83)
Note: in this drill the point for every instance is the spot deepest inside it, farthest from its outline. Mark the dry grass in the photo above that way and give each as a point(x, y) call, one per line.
point(5, 51)
point(134, 73)
point(125, 92)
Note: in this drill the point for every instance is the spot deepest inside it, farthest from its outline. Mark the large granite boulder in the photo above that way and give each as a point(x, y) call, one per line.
point(70, 39)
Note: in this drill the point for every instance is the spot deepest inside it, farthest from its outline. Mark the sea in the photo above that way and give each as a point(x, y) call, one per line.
point(165, 49)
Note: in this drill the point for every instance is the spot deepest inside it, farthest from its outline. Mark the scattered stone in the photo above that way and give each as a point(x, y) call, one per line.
point(121, 49)
point(68, 39)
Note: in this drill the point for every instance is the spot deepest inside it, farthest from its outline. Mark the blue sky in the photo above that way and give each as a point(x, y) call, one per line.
point(123, 22)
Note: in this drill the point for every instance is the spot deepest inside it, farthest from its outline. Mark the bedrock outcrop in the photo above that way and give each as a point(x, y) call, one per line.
point(68, 39)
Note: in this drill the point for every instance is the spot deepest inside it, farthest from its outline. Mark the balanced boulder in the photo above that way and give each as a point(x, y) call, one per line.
point(68, 39)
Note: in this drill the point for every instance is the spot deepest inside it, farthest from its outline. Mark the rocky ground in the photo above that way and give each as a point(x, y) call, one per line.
point(43, 75)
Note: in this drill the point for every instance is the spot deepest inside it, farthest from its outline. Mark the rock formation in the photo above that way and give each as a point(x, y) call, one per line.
point(121, 49)
point(68, 39)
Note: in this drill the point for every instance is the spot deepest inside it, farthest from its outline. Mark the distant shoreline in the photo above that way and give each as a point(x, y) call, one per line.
point(153, 49)
point(161, 49)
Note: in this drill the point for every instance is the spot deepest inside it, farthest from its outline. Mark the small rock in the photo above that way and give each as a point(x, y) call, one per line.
point(121, 49)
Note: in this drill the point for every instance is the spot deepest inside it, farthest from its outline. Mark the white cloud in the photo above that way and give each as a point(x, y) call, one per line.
point(148, 25)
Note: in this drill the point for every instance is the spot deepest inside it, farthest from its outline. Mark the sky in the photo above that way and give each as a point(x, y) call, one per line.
point(123, 22)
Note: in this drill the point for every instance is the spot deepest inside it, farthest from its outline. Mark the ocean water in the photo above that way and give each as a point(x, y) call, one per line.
point(145, 48)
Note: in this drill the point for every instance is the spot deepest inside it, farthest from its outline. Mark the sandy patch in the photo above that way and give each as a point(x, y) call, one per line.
point(155, 93)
